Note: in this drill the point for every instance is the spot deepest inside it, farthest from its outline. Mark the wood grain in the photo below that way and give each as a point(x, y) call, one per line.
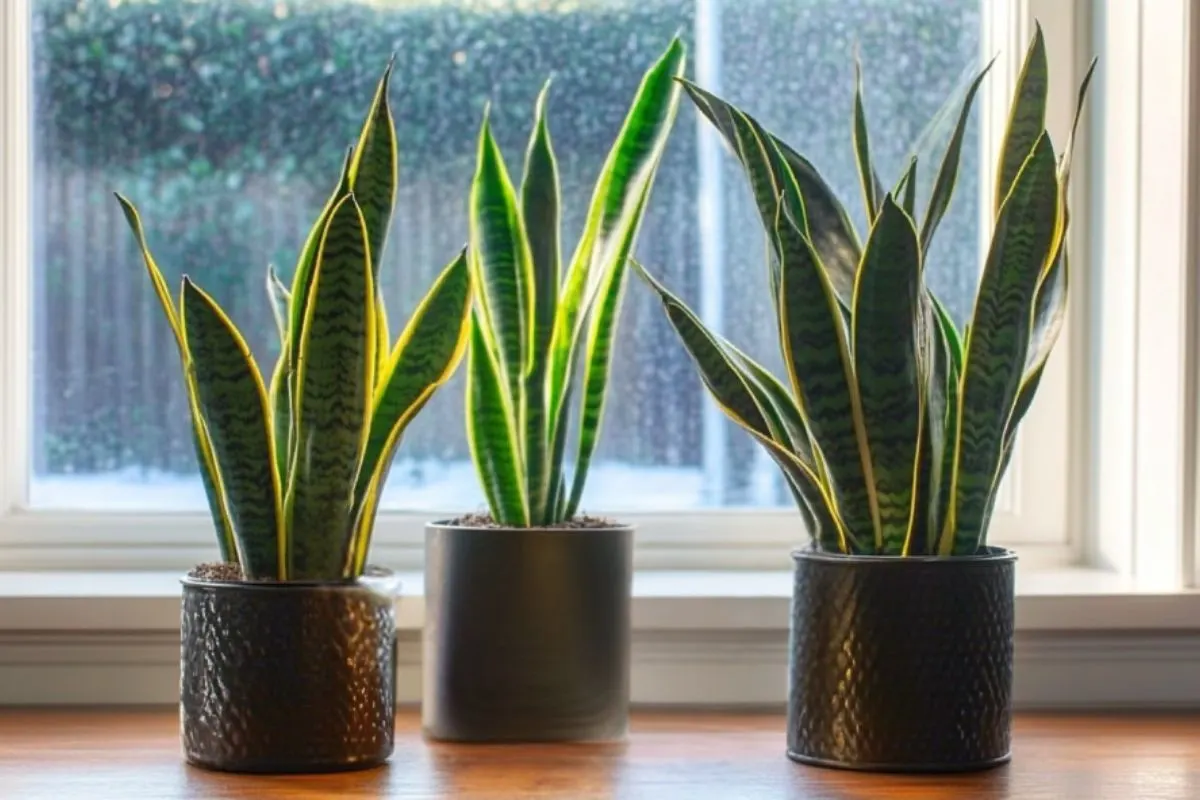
point(95, 755)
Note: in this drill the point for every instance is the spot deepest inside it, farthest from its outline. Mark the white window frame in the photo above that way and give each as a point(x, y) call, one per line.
point(1109, 556)
point(1036, 515)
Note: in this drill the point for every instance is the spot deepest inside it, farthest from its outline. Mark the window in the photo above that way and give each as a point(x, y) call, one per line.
point(1106, 472)
point(224, 120)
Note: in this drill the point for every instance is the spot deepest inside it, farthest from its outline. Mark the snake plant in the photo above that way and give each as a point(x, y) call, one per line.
point(293, 472)
point(894, 428)
point(532, 328)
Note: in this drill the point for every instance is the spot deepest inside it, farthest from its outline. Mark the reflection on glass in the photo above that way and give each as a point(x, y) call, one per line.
point(225, 120)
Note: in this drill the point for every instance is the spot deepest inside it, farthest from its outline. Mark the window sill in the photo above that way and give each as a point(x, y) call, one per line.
point(1085, 639)
point(1075, 599)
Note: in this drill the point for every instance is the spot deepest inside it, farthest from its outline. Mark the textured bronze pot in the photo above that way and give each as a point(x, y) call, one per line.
point(290, 676)
point(901, 664)
point(526, 633)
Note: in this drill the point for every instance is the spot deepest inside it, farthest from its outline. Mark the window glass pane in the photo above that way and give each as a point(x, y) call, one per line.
point(225, 120)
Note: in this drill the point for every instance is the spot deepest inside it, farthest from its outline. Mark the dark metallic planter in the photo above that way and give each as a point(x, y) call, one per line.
point(901, 664)
point(526, 633)
point(288, 677)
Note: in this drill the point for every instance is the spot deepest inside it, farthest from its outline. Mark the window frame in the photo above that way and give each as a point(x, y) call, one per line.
point(1047, 518)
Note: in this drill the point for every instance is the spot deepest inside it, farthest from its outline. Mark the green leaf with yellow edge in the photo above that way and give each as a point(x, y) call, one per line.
point(998, 342)
point(540, 215)
point(1027, 117)
point(830, 230)
point(941, 418)
point(868, 181)
point(766, 172)
point(424, 358)
point(383, 338)
point(906, 189)
point(947, 176)
point(303, 277)
point(335, 379)
point(773, 395)
point(597, 360)
point(819, 364)
point(374, 169)
point(616, 204)
point(233, 402)
point(501, 264)
point(200, 439)
point(614, 215)
point(492, 433)
point(730, 389)
point(886, 343)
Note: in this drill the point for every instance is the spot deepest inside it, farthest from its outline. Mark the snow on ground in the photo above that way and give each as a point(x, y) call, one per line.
point(433, 486)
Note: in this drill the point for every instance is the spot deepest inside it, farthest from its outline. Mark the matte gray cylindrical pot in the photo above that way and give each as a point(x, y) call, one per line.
point(901, 664)
point(288, 676)
point(526, 633)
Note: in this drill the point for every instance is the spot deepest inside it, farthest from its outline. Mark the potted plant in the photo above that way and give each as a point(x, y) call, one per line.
point(527, 606)
point(893, 430)
point(288, 644)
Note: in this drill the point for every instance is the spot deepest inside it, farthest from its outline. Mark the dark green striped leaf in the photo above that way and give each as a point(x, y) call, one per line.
point(500, 260)
point(939, 128)
point(998, 341)
point(886, 343)
point(906, 189)
point(1027, 117)
point(374, 167)
point(492, 433)
point(949, 330)
point(830, 230)
point(233, 401)
point(766, 172)
point(1051, 305)
point(819, 364)
point(862, 150)
point(731, 390)
point(941, 413)
point(425, 356)
point(772, 396)
point(303, 277)
point(947, 176)
point(540, 213)
point(200, 439)
point(335, 374)
point(931, 443)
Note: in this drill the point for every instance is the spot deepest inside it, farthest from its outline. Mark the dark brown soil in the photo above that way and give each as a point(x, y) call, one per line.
point(223, 572)
point(575, 523)
point(219, 572)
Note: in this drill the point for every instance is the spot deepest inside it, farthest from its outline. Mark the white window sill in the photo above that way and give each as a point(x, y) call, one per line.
point(1047, 599)
point(1085, 639)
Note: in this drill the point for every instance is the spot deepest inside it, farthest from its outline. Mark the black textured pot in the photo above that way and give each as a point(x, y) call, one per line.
point(290, 676)
point(526, 633)
point(901, 664)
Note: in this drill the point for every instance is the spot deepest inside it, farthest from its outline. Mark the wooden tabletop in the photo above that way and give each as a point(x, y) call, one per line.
point(96, 755)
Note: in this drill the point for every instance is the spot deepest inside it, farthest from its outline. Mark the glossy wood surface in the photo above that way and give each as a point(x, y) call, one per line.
point(96, 755)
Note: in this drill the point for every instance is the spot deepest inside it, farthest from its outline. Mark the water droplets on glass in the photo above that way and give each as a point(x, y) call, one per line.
point(226, 120)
